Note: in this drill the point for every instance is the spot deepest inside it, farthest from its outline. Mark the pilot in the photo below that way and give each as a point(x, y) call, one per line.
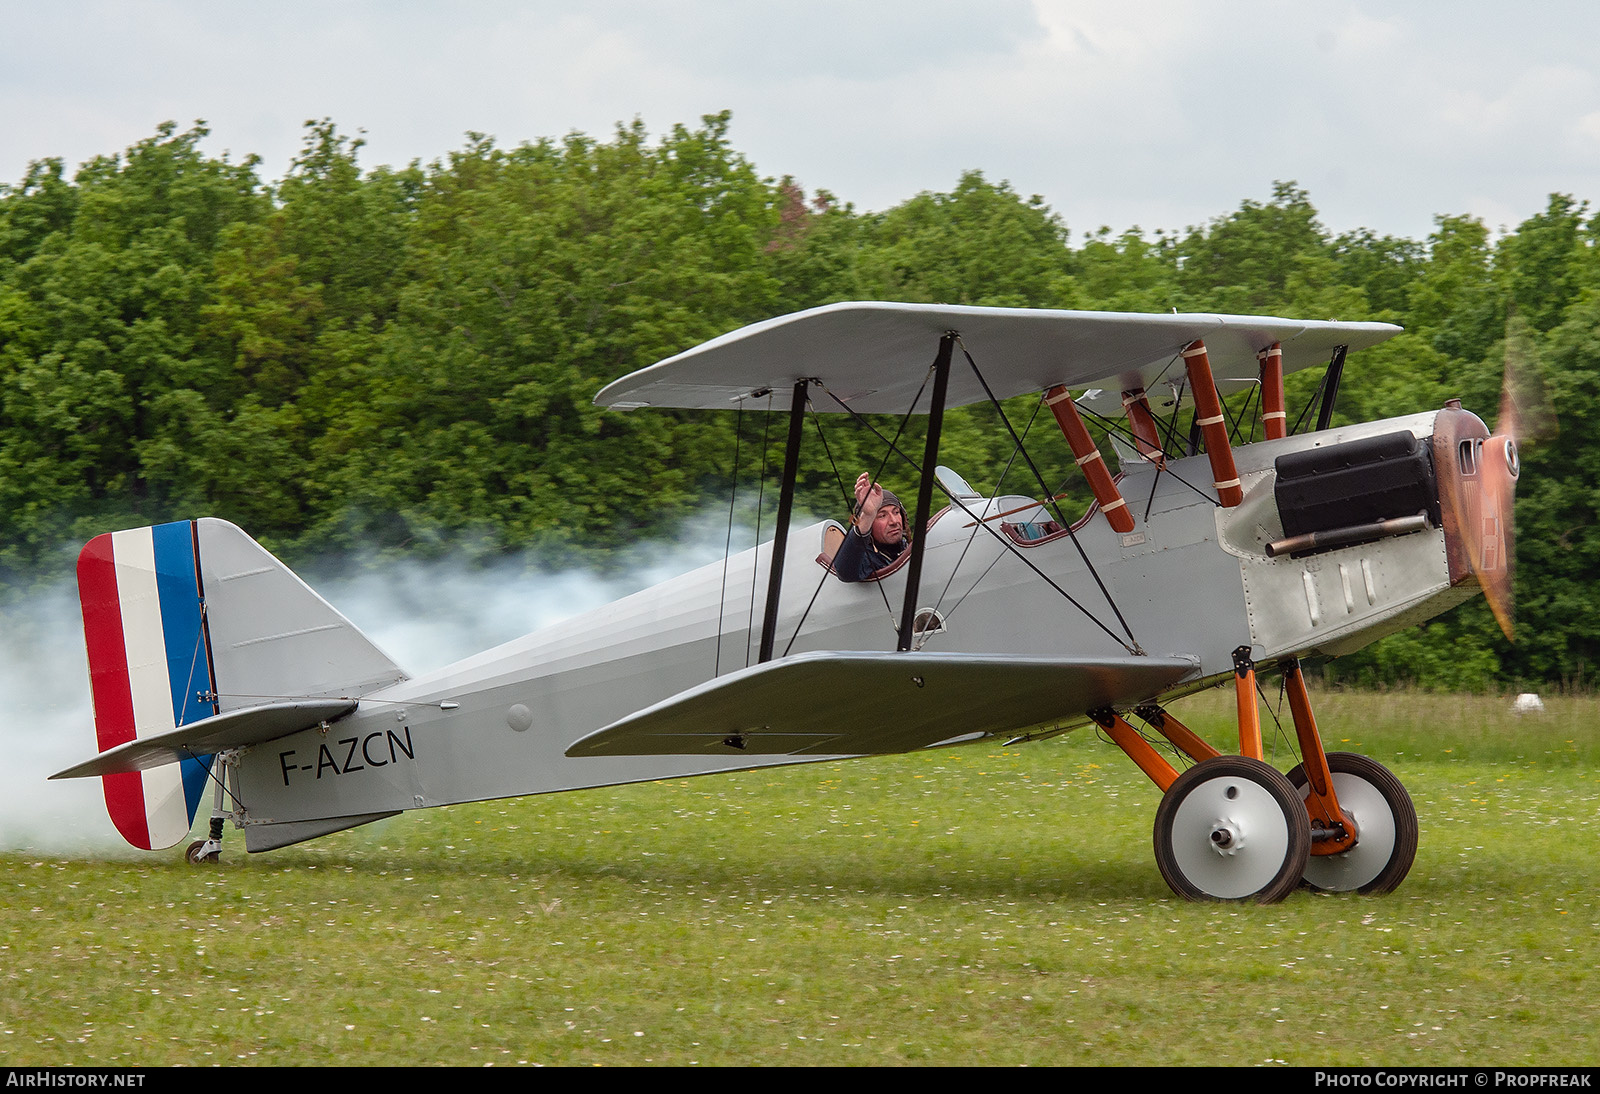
point(876, 537)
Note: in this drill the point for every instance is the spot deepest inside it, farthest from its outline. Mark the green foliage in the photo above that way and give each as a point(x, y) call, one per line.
point(980, 244)
point(1254, 260)
point(405, 359)
point(1558, 513)
point(104, 294)
point(1124, 273)
point(1544, 261)
point(1457, 300)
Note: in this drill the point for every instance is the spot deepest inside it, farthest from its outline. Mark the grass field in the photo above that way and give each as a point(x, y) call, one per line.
point(968, 906)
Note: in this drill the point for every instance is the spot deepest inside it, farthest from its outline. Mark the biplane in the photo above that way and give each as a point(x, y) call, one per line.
point(1205, 560)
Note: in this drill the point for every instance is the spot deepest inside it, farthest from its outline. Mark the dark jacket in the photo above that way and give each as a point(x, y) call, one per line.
point(859, 557)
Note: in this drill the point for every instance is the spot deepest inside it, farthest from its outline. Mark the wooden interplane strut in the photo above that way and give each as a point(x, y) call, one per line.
point(1142, 420)
point(791, 470)
point(1274, 418)
point(1213, 424)
point(1087, 453)
point(930, 458)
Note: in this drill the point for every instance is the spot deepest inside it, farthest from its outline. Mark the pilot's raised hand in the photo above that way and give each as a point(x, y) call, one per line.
point(869, 499)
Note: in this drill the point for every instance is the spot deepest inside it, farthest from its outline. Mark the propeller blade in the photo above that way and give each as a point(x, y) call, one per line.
point(1477, 474)
point(1527, 414)
point(1495, 558)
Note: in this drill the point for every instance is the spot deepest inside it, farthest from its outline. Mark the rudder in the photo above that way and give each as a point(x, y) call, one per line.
point(149, 669)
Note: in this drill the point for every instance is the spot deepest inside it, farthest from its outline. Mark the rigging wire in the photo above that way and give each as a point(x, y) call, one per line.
point(827, 570)
point(877, 476)
point(1169, 441)
point(844, 491)
point(1236, 424)
point(1111, 426)
point(1253, 410)
point(1292, 743)
point(1311, 402)
point(212, 776)
point(1004, 541)
point(973, 538)
point(1073, 535)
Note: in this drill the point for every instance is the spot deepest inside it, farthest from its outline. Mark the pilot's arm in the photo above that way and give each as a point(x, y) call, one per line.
point(856, 560)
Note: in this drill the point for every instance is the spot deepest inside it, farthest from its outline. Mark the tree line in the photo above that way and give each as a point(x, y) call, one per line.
point(403, 359)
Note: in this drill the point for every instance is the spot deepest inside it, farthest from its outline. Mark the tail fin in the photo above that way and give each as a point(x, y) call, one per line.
point(189, 620)
point(148, 666)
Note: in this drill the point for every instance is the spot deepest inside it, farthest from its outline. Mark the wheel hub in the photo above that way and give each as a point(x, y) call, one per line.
point(1226, 837)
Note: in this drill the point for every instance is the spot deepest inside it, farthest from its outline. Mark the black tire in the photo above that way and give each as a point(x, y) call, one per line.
point(195, 854)
point(1232, 828)
point(1386, 828)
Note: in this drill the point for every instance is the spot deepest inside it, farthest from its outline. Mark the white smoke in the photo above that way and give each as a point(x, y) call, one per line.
point(423, 614)
point(48, 724)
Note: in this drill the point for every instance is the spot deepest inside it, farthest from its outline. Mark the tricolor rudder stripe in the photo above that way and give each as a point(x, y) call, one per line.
point(149, 669)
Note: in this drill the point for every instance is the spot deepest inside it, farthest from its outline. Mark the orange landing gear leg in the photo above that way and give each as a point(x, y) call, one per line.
point(1330, 829)
point(1184, 738)
point(1127, 738)
point(1244, 689)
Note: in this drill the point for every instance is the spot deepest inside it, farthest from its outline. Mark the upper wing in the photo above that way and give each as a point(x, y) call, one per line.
point(874, 356)
point(834, 703)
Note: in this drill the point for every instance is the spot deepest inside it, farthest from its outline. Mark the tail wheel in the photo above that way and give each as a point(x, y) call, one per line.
point(197, 853)
point(1232, 828)
point(1386, 827)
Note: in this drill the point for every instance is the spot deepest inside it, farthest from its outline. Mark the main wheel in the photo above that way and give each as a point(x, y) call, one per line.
point(1232, 828)
point(1386, 827)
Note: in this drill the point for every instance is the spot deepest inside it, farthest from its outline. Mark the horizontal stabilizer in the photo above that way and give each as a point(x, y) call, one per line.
point(251, 726)
point(852, 704)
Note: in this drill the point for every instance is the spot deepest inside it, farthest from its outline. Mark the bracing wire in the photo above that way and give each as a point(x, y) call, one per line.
point(1060, 516)
point(1004, 541)
point(1115, 427)
point(973, 538)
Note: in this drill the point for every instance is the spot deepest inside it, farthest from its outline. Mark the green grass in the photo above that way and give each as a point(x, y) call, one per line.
point(977, 905)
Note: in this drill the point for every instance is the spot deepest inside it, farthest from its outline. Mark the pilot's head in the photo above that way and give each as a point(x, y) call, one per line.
point(889, 526)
